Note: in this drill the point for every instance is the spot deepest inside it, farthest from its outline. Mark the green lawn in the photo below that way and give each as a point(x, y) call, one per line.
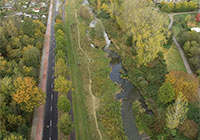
point(174, 60)
point(179, 24)
point(82, 126)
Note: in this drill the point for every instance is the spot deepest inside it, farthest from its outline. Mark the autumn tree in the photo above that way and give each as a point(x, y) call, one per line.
point(184, 83)
point(63, 103)
point(65, 124)
point(166, 93)
point(62, 85)
point(27, 94)
point(61, 68)
point(190, 129)
point(177, 112)
point(138, 19)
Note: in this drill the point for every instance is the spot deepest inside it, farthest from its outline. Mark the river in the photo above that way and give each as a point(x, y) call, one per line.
point(129, 92)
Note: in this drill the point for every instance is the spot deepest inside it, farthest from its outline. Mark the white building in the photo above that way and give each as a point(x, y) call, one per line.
point(196, 29)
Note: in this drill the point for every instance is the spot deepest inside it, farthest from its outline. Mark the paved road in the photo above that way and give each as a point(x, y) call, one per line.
point(50, 131)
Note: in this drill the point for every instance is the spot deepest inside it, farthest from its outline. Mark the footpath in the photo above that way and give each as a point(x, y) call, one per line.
point(187, 66)
point(38, 117)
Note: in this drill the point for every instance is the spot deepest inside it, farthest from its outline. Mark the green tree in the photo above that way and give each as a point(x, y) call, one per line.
point(63, 103)
point(85, 13)
point(177, 112)
point(31, 56)
point(65, 124)
point(13, 136)
point(62, 85)
point(99, 30)
point(60, 55)
point(166, 93)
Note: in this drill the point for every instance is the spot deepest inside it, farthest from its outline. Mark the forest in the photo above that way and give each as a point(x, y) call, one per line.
point(20, 52)
point(172, 96)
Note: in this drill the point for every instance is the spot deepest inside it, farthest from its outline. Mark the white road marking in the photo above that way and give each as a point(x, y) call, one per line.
point(51, 96)
point(51, 85)
point(51, 108)
point(50, 123)
point(52, 76)
point(49, 138)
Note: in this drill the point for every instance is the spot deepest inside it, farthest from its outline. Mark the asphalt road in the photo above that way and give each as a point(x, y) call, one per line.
point(50, 131)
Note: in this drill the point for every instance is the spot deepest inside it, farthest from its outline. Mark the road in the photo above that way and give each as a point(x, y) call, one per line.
point(50, 131)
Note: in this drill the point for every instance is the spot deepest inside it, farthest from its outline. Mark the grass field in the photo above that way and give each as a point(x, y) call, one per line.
point(174, 60)
point(82, 126)
point(179, 25)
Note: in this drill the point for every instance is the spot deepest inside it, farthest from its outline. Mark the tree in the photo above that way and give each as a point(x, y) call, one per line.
point(27, 94)
point(15, 120)
point(189, 128)
point(184, 83)
point(85, 13)
point(61, 68)
point(13, 136)
point(60, 55)
point(138, 19)
point(62, 85)
point(99, 30)
point(166, 93)
point(63, 104)
point(65, 124)
point(31, 56)
point(177, 112)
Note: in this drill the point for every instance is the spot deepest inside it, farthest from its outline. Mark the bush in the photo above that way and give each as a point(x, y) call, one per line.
point(85, 13)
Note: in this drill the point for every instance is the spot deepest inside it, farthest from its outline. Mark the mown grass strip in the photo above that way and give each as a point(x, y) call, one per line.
point(174, 60)
point(78, 97)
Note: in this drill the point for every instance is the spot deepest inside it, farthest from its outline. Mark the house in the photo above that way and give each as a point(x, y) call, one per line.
point(43, 16)
point(198, 17)
point(174, 1)
point(43, 4)
point(36, 10)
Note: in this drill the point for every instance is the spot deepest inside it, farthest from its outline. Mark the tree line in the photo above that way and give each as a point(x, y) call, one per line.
point(61, 82)
point(182, 6)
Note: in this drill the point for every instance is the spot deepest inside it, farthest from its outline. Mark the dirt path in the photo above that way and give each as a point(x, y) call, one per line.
point(94, 105)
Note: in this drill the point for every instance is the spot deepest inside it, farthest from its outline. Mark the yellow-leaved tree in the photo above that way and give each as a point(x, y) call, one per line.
point(177, 112)
point(184, 83)
point(27, 94)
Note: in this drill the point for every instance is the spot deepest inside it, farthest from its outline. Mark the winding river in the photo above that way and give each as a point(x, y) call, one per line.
point(129, 92)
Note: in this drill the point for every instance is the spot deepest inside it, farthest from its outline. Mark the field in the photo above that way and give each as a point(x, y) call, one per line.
point(174, 60)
